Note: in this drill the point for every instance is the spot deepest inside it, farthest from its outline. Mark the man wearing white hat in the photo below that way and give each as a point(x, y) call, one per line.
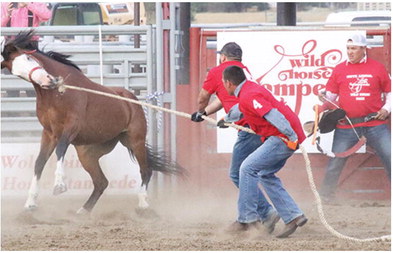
point(362, 86)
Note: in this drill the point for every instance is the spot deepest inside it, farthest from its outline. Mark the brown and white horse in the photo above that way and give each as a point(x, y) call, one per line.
point(93, 124)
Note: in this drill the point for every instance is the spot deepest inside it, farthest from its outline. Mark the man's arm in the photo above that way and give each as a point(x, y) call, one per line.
point(327, 98)
point(281, 123)
point(385, 110)
point(203, 101)
point(331, 96)
point(213, 107)
point(204, 108)
point(234, 114)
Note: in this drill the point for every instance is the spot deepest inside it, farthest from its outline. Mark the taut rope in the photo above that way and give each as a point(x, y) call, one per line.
point(62, 87)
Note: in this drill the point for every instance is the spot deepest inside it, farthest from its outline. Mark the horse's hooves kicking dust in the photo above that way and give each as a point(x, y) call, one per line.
point(82, 212)
point(59, 189)
point(30, 208)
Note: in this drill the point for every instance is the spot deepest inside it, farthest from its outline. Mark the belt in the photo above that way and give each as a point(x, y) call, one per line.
point(358, 120)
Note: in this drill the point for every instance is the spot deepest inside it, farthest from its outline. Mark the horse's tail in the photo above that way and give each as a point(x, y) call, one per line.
point(158, 160)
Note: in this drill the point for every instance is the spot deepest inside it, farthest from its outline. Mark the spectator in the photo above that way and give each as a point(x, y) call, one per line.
point(359, 84)
point(281, 132)
point(231, 54)
point(24, 14)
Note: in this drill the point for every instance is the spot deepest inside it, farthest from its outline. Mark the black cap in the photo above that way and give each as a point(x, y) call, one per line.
point(232, 50)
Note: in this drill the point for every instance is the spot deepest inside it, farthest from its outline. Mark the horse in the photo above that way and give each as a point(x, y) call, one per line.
point(93, 124)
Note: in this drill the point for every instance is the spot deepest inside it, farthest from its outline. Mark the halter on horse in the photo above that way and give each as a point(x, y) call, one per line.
point(93, 124)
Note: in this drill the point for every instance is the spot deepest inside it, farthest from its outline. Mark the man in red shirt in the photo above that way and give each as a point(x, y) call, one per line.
point(281, 132)
point(359, 84)
point(246, 143)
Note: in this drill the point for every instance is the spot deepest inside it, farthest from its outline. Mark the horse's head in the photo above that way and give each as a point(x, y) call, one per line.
point(23, 63)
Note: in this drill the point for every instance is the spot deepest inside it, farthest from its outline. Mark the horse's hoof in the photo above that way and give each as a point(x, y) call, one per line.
point(82, 212)
point(146, 213)
point(30, 208)
point(59, 189)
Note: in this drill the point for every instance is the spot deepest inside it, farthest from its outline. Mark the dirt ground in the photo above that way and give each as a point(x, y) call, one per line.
point(186, 221)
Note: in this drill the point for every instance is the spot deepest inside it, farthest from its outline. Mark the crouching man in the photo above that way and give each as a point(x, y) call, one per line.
point(281, 133)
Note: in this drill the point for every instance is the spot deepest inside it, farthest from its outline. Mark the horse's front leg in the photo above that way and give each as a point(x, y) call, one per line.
point(48, 144)
point(61, 149)
point(59, 184)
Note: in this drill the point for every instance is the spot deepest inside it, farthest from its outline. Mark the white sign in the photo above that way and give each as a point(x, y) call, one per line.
point(293, 65)
point(17, 170)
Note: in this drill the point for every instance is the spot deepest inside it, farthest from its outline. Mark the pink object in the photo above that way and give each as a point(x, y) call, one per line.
point(19, 17)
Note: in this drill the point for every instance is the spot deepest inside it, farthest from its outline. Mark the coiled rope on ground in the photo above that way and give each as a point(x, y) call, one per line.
point(62, 88)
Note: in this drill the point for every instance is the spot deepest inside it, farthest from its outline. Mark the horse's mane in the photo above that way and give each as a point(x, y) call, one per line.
point(24, 41)
point(61, 58)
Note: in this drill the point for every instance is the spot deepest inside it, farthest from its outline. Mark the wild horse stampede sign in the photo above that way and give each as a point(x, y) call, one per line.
point(293, 65)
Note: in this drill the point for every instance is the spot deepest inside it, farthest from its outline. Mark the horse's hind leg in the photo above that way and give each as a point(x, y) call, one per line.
point(139, 151)
point(89, 156)
point(135, 142)
point(48, 144)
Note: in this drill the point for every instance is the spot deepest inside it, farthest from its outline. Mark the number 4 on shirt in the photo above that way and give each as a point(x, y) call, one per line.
point(257, 105)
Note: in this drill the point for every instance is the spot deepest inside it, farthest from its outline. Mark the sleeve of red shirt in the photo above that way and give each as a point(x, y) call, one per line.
point(386, 82)
point(331, 84)
point(211, 83)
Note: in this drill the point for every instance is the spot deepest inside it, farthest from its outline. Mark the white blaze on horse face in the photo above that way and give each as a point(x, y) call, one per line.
point(33, 194)
point(24, 64)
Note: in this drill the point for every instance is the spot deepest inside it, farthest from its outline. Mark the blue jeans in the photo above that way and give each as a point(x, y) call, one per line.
point(247, 143)
point(378, 137)
point(260, 167)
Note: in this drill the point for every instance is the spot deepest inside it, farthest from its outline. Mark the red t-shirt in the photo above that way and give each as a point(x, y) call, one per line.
point(255, 101)
point(213, 84)
point(359, 87)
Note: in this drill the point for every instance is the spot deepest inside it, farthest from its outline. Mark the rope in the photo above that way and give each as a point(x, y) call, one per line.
point(62, 87)
point(315, 130)
point(320, 209)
